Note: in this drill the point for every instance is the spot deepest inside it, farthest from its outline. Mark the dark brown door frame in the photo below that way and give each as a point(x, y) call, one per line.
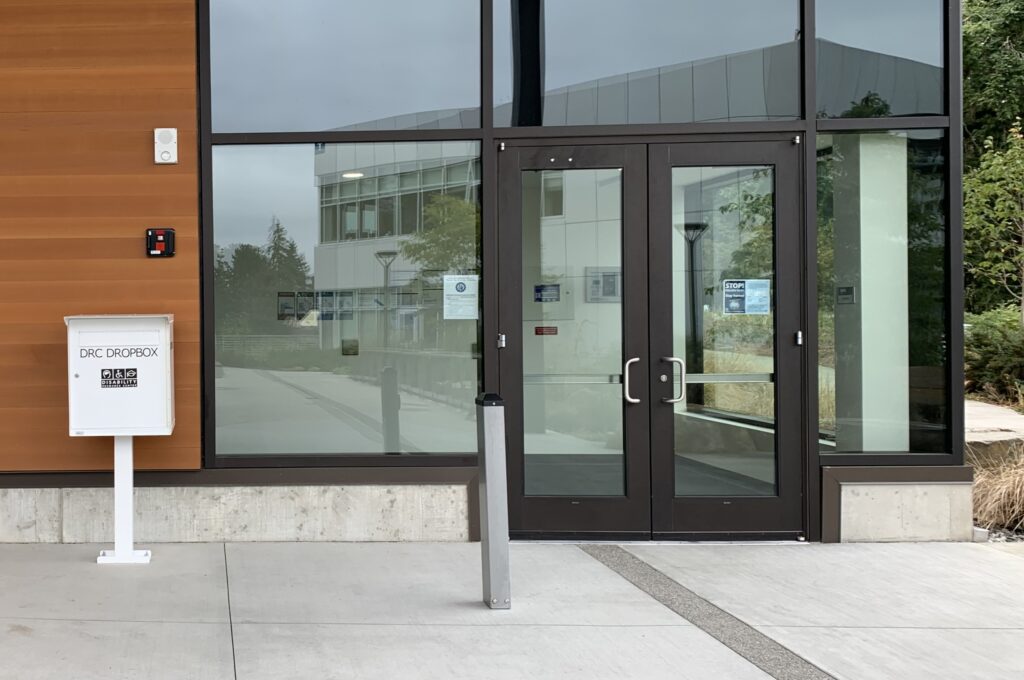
point(559, 516)
point(644, 204)
point(696, 517)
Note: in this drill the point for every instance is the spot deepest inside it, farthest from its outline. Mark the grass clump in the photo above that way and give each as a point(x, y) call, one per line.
point(999, 490)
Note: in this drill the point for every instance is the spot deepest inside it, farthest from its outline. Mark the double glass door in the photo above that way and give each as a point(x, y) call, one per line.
point(649, 296)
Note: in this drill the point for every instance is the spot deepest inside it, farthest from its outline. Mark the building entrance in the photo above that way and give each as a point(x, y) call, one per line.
point(650, 302)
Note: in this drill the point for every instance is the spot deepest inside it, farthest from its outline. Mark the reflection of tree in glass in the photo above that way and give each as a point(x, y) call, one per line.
point(750, 205)
point(288, 266)
point(925, 238)
point(752, 202)
point(927, 318)
point(448, 241)
point(870, 106)
point(926, 235)
point(829, 166)
point(447, 244)
point(247, 279)
point(926, 245)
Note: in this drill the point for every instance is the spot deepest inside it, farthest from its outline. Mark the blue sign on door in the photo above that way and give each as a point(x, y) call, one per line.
point(747, 296)
point(549, 292)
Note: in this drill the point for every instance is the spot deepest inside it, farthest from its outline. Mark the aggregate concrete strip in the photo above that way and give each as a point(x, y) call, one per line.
point(755, 647)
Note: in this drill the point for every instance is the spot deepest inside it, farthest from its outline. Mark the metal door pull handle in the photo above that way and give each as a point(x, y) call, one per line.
point(682, 379)
point(625, 381)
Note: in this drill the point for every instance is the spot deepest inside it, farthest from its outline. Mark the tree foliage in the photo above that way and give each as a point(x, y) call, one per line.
point(994, 217)
point(994, 355)
point(993, 52)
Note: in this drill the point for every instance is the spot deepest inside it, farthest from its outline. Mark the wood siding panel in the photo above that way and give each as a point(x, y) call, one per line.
point(82, 85)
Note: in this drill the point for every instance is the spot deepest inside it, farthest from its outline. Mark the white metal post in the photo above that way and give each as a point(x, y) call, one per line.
point(124, 551)
point(493, 502)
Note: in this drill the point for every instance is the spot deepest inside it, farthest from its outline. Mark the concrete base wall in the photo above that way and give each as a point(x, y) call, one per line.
point(241, 513)
point(897, 503)
point(854, 510)
point(923, 511)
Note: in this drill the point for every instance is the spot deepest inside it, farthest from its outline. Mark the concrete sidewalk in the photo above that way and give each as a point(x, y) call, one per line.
point(411, 610)
point(992, 430)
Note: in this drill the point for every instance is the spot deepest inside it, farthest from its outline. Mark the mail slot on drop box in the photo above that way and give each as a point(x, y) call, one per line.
point(120, 375)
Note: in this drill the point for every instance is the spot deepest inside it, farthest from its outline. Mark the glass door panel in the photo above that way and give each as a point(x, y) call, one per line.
point(724, 269)
point(723, 329)
point(572, 332)
point(572, 299)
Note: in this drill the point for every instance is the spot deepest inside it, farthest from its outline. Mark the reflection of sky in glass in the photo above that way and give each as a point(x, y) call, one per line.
point(253, 184)
point(322, 64)
point(911, 29)
point(590, 39)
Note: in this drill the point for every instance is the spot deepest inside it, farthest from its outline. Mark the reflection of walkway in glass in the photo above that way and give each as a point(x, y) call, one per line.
point(262, 412)
point(603, 475)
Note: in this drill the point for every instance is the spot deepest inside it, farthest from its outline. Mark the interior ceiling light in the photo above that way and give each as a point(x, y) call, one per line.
point(351, 175)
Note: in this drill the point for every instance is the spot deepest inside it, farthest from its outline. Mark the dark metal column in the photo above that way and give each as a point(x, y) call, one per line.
point(527, 62)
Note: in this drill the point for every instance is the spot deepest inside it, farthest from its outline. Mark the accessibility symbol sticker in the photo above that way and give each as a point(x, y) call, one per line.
point(119, 377)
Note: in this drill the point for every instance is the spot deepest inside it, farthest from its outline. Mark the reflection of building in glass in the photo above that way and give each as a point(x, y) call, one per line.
point(899, 86)
point(374, 199)
point(761, 84)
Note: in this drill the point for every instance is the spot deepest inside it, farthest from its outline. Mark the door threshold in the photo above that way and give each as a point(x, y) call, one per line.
point(665, 537)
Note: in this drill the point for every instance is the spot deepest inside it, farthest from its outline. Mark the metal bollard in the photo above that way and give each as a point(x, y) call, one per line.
point(490, 419)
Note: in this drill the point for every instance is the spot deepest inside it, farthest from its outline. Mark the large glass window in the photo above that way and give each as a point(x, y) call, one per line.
point(879, 58)
point(329, 65)
point(328, 346)
point(591, 62)
point(883, 303)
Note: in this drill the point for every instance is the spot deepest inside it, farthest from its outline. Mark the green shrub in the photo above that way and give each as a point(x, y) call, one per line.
point(994, 355)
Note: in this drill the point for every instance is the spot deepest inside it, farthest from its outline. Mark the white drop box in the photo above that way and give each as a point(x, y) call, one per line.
point(121, 375)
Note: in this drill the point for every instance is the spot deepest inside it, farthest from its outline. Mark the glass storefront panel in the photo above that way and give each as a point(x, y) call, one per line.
point(359, 342)
point(326, 65)
point(883, 304)
point(878, 58)
point(599, 62)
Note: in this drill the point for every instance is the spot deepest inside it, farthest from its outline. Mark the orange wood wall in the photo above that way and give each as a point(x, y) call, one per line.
point(82, 85)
